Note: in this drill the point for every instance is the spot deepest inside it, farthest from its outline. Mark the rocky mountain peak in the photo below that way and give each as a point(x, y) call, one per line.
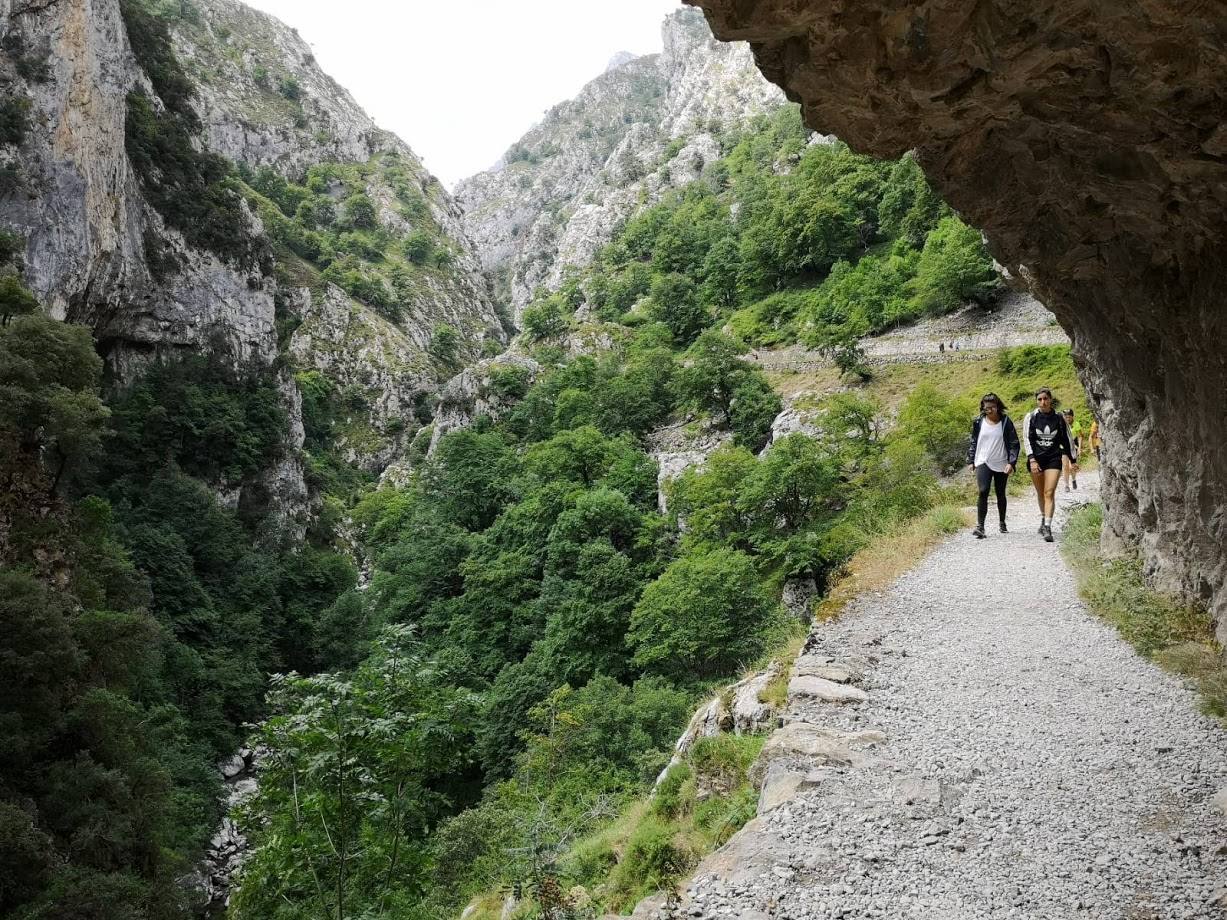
point(622, 57)
point(631, 134)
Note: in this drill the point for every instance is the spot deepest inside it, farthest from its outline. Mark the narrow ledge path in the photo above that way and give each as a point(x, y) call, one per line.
point(1011, 757)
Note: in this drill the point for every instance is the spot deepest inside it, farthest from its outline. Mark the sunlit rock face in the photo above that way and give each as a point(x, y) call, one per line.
point(1089, 141)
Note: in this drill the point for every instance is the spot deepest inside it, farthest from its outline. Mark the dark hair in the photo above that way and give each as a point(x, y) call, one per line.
point(992, 397)
point(1056, 403)
point(1069, 412)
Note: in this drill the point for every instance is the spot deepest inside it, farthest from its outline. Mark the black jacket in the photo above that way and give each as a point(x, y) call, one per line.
point(1048, 442)
point(1008, 433)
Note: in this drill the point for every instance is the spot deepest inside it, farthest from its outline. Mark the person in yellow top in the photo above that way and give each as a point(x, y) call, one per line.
point(1076, 439)
point(1095, 443)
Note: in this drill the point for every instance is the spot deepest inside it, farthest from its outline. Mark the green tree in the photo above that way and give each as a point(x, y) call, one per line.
point(15, 298)
point(703, 617)
point(954, 267)
point(359, 212)
point(470, 477)
point(417, 247)
point(545, 319)
point(358, 772)
point(51, 419)
point(754, 407)
point(938, 423)
point(675, 303)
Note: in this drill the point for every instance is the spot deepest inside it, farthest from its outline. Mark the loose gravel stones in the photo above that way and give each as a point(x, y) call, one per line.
point(1024, 762)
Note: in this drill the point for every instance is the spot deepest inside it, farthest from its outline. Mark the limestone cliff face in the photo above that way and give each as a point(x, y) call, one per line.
point(644, 126)
point(97, 251)
point(70, 190)
point(1088, 140)
point(265, 102)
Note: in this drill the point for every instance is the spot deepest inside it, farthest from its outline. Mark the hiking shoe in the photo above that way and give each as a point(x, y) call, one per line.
point(1075, 484)
point(1041, 530)
point(978, 533)
point(1003, 527)
point(1047, 534)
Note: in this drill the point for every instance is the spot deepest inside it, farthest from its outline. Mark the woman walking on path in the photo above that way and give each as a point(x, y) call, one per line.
point(992, 452)
point(1075, 448)
point(1045, 441)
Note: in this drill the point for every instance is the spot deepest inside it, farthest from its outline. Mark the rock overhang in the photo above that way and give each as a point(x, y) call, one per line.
point(1088, 139)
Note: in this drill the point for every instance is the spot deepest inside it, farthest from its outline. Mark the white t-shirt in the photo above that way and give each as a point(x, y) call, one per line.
point(990, 447)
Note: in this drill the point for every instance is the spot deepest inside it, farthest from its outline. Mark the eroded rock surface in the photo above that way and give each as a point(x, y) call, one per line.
point(645, 126)
point(1089, 141)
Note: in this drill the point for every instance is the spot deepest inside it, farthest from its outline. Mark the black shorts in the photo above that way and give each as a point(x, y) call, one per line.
point(1046, 463)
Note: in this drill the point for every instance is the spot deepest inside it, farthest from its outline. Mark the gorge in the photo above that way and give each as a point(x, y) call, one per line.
point(486, 526)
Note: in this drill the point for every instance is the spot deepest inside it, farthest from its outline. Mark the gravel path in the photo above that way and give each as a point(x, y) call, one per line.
point(1033, 765)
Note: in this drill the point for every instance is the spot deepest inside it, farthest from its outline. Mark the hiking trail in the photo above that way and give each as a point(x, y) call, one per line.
point(972, 743)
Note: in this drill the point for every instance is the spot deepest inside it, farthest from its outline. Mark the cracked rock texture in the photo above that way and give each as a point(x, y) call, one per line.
point(645, 126)
point(70, 191)
point(1089, 141)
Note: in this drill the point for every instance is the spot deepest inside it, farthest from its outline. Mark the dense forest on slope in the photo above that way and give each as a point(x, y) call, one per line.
point(783, 240)
point(540, 630)
point(141, 617)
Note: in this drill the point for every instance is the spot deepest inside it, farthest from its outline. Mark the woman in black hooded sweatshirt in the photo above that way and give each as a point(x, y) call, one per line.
point(992, 452)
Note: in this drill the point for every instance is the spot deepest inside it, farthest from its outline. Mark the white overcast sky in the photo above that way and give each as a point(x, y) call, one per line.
point(461, 81)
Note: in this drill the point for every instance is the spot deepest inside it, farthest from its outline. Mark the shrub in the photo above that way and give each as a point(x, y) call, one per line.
point(289, 87)
point(939, 423)
point(15, 298)
point(418, 247)
point(360, 212)
point(14, 119)
point(544, 320)
point(702, 617)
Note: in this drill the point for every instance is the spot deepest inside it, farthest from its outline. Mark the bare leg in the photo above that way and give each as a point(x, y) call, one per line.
point(1051, 479)
point(1037, 480)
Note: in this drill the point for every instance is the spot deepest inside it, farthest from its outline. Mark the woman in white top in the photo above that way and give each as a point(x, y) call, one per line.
point(992, 452)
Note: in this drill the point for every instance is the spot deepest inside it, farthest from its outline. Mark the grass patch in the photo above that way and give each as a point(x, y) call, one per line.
point(1177, 635)
point(699, 805)
point(886, 558)
point(657, 841)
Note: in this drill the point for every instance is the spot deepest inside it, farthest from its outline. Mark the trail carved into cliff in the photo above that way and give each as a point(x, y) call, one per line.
point(973, 743)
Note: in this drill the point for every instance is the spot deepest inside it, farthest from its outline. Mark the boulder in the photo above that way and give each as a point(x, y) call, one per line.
point(826, 690)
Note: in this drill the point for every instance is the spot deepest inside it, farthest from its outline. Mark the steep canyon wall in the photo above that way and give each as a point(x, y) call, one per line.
point(1089, 141)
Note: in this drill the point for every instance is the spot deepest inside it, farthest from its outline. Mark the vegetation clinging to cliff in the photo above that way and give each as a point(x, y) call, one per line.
point(783, 241)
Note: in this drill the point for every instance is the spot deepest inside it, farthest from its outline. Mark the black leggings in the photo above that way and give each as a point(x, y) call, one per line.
point(985, 476)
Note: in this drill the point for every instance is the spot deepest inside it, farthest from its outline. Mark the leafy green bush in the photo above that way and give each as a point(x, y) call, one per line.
point(654, 859)
point(15, 298)
point(702, 617)
point(545, 319)
point(940, 423)
point(14, 119)
point(954, 267)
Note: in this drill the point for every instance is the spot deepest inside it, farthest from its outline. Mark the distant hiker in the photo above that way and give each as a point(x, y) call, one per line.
point(941, 348)
point(1075, 449)
point(992, 452)
point(1045, 441)
point(1095, 439)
